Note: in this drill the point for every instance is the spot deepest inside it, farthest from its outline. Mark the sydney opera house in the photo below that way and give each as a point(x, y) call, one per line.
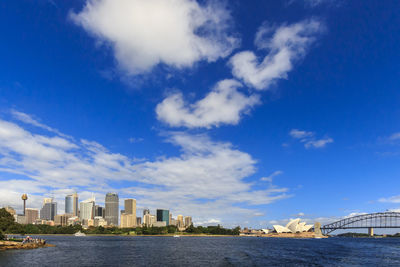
point(294, 226)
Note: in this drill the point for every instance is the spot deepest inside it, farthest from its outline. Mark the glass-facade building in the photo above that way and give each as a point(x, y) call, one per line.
point(163, 216)
point(112, 209)
point(48, 211)
point(71, 204)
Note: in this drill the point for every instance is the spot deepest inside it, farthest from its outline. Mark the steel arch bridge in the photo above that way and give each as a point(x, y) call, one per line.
point(370, 221)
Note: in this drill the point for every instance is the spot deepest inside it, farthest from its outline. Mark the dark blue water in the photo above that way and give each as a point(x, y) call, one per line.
point(207, 251)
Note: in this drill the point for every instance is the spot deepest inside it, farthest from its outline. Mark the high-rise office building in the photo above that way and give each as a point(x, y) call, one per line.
point(181, 223)
point(146, 211)
point(99, 211)
point(87, 209)
point(188, 221)
point(128, 216)
point(112, 208)
point(163, 216)
point(149, 220)
point(49, 210)
point(71, 204)
point(31, 215)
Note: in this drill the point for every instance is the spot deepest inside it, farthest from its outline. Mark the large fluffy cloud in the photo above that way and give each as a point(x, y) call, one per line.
point(223, 105)
point(145, 33)
point(284, 45)
point(204, 180)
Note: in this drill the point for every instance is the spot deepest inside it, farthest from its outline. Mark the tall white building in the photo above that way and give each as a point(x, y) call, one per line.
point(87, 209)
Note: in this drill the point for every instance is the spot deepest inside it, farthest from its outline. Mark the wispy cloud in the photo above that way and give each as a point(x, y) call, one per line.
point(309, 139)
point(271, 176)
point(205, 180)
point(392, 199)
point(136, 139)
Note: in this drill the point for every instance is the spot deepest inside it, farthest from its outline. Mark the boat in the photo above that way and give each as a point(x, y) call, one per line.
point(79, 234)
point(177, 236)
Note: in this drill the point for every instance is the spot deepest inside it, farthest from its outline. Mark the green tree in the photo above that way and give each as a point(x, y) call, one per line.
point(6, 220)
point(2, 236)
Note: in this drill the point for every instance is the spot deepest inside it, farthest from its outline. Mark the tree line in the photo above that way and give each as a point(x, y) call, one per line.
point(9, 226)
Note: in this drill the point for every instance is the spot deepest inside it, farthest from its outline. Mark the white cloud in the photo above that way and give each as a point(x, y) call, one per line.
point(143, 34)
point(272, 176)
point(26, 118)
point(392, 199)
point(309, 140)
point(287, 44)
point(223, 105)
point(205, 180)
point(298, 134)
point(318, 143)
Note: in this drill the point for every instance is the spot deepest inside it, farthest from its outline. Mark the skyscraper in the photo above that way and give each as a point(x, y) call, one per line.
point(128, 216)
point(31, 215)
point(163, 216)
point(146, 211)
point(71, 204)
point(87, 209)
point(181, 224)
point(188, 221)
point(49, 210)
point(99, 211)
point(112, 208)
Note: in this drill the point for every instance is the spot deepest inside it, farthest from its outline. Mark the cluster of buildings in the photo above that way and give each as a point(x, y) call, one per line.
point(87, 213)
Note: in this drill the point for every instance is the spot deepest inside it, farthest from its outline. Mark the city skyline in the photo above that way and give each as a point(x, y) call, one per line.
point(247, 115)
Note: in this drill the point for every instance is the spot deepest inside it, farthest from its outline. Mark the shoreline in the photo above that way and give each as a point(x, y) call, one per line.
point(9, 245)
point(172, 235)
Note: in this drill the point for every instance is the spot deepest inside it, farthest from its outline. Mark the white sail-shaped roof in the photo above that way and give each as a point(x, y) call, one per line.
point(281, 229)
point(293, 226)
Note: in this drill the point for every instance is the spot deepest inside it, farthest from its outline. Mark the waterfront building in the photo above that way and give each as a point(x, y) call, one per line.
point(99, 211)
point(188, 221)
point(173, 222)
point(139, 221)
point(31, 215)
point(49, 210)
point(181, 224)
point(160, 224)
point(73, 220)
point(293, 226)
point(71, 204)
point(163, 216)
point(149, 220)
point(112, 208)
point(87, 209)
point(20, 218)
point(128, 216)
point(62, 219)
point(99, 221)
point(146, 211)
point(128, 220)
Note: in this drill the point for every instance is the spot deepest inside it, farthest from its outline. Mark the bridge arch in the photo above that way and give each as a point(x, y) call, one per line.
point(372, 220)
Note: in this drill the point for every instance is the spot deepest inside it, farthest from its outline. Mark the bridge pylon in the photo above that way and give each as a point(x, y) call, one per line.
point(371, 231)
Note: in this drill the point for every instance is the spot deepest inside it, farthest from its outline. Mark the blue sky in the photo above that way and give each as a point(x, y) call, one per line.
point(232, 112)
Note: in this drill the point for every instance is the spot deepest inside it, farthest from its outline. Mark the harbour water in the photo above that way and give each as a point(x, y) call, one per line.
point(207, 251)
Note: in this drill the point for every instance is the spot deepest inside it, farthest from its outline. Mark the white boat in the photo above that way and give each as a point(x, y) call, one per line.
point(177, 236)
point(79, 234)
